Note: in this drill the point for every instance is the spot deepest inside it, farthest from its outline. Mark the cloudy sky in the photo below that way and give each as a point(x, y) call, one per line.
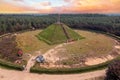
point(59, 6)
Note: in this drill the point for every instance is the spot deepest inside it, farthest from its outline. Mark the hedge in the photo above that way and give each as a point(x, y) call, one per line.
point(68, 70)
point(41, 70)
point(10, 65)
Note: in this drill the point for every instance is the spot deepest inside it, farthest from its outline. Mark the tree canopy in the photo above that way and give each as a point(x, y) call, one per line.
point(99, 22)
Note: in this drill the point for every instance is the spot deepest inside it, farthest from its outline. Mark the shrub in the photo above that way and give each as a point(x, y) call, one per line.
point(10, 65)
point(8, 48)
point(113, 72)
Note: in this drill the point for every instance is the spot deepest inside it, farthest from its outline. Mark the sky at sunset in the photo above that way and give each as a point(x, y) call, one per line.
point(59, 6)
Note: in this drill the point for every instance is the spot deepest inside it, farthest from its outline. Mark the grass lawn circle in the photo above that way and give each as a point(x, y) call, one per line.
point(94, 45)
point(102, 44)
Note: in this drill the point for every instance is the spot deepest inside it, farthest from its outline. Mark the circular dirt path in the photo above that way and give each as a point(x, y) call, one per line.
point(19, 75)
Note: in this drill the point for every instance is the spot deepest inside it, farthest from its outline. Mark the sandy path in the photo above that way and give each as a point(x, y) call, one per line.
point(30, 63)
point(19, 75)
point(50, 55)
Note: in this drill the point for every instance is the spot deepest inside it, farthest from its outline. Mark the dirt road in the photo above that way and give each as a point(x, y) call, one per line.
point(30, 63)
point(19, 75)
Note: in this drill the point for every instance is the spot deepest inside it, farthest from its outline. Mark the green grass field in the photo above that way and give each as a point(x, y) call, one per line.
point(94, 44)
point(55, 34)
point(29, 43)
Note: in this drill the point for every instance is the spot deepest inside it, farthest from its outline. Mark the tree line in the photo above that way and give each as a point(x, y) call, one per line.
point(99, 22)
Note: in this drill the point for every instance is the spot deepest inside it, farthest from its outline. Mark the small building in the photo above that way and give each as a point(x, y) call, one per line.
point(20, 53)
point(40, 59)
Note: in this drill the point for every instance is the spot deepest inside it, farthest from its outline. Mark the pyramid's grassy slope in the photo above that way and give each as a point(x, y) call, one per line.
point(55, 34)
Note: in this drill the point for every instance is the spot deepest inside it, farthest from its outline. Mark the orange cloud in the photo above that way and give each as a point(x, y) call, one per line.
point(73, 6)
point(45, 3)
point(42, 5)
point(11, 8)
point(93, 6)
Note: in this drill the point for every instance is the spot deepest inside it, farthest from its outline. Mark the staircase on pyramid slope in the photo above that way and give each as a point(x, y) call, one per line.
point(58, 33)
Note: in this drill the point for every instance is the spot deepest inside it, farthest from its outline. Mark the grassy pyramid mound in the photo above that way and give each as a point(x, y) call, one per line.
point(58, 33)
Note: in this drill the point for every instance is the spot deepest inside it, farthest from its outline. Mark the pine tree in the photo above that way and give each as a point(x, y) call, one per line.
point(113, 72)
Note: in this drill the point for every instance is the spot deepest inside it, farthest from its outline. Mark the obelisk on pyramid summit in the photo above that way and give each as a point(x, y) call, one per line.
point(59, 15)
point(58, 19)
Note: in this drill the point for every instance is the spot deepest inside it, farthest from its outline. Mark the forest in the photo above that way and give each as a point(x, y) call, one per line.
point(19, 22)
